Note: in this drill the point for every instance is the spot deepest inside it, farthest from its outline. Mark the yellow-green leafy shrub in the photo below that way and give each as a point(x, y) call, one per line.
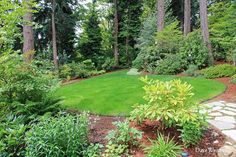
point(170, 103)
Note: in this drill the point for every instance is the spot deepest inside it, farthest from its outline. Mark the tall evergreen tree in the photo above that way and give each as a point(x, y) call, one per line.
point(65, 21)
point(90, 41)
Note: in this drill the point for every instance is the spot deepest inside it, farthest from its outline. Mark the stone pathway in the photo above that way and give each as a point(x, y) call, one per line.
point(223, 117)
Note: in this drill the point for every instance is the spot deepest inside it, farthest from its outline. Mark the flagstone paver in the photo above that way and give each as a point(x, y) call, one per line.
point(223, 116)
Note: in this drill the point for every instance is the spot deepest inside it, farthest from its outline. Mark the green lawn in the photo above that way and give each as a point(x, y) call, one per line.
point(116, 93)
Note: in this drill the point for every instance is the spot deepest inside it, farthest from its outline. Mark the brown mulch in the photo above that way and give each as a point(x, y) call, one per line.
point(101, 125)
point(230, 94)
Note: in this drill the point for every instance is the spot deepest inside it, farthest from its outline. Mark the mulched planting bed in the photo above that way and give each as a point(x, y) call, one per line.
point(230, 94)
point(101, 125)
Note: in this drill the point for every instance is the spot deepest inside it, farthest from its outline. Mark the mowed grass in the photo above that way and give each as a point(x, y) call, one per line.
point(115, 93)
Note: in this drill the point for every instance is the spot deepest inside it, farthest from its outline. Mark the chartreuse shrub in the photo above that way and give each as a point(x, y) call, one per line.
point(163, 147)
point(61, 136)
point(170, 103)
point(121, 138)
point(223, 70)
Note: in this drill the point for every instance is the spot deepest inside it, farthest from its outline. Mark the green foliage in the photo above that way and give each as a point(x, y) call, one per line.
point(90, 40)
point(163, 147)
point(108, 64)
point(171, 64)
point(154, 49)
point(116, 150)
point(66, 18)
point(62, 136)
point(223, 70)
point(192, 131)
point(93, 150)
point(12, 134)
point(222, 20)
point(10, 17)
point(192, 70)
point(193, 50)
point(20, 81)
point(124, 134)
point(121, 138)
point(145, 44)
point(32, 109)
point(168, 40)
point(170, 103)
point(81, 70)
point(234, 78)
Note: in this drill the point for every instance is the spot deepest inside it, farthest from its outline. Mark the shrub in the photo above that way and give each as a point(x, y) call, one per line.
point(191, 71)
point(108, 64)
point(62, 136)
point(163, 148)
point(234, 78)
point(93, 150)
point(120, 139)
point(172, 64)
point(81, 70)
point(170, 103)
point(192, 131)
point(223, 70)
point(23, 82)
point(193, 50)
point(124, 134)
point(12, 134)
point(168, 40)
point(32, 109)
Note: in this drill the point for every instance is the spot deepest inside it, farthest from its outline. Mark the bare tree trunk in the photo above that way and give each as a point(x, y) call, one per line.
point(187, 17)
point(160, 15)
point(54, 40)
point(205, 29)
point(116, 31)
point(28, 35)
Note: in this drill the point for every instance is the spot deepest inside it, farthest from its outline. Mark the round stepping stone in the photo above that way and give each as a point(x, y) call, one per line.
point(221, 125)
point(227, 119)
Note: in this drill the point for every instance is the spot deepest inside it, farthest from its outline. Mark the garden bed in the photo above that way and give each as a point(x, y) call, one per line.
point(100, 125)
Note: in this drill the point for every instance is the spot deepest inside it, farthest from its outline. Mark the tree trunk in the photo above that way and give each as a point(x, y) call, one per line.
point(205, 29)
point(54, 40)
point(28, 35)
point(116, 31)
point(187, 17)
point(160, 15)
